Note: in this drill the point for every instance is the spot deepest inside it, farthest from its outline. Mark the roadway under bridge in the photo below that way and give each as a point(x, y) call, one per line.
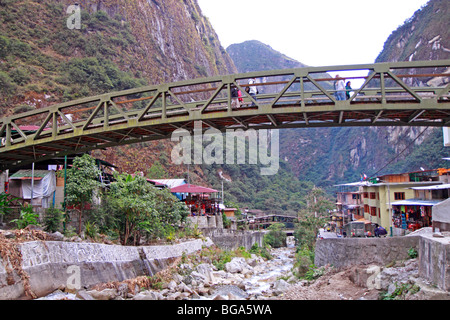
point(392, 94)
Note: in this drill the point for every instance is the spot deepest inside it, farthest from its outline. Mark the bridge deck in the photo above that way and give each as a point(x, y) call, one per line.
point(393, 94)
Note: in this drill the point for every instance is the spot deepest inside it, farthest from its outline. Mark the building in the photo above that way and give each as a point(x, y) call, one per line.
point(381, 198)
point(417, 212)
point(38, 187)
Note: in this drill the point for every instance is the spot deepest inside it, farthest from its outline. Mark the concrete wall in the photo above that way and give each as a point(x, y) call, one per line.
point(232, 239)
point(203, 222)
point(363, 251)
point(441, 216)
point(54, 264)
point(433, 258)
point(434, 261)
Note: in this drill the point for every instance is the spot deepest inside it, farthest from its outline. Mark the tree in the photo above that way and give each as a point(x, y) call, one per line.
point(317, 202)
point(82, 182)
point(276, 237)
point(156, 171)
point(312, 218)
point(138, 208)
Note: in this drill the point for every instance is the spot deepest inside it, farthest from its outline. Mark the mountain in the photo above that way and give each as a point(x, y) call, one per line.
point(119, 45)
point(424, 36)
point(328, 156)
point(254, 55)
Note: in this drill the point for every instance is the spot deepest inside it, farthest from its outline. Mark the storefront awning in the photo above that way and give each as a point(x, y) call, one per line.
point(191, 188)
point(415, 202)
point(437, 187)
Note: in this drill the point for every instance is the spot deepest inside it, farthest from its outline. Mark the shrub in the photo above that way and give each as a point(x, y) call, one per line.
point(304, 263)
point(27, 217)
point(412, 253)
point(52, 219)
point(276, 237)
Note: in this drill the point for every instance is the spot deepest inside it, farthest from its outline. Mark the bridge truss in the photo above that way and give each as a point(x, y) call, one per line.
point(393, 94)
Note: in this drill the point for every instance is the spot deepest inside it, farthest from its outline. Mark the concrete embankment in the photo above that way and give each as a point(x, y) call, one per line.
point(49, 265)
point(433, 254)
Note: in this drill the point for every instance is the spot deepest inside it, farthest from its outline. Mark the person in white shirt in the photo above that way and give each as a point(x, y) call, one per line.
point(340, 88)
point(253, 90)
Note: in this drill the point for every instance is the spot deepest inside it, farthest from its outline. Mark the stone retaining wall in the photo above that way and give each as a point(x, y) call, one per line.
point(55, 264)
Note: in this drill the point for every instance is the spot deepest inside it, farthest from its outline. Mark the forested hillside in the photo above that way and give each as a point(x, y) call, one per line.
point(122, 45)
point(328, 156)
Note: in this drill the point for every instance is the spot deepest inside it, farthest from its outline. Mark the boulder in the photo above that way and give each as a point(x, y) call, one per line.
point(106, 294)
point(236, 265)
point(280, 286)
point(148, 295)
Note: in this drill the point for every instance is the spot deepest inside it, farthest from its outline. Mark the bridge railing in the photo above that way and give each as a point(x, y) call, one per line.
point(423, 82)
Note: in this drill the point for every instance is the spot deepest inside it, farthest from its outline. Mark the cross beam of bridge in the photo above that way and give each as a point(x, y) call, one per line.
point(393, 94)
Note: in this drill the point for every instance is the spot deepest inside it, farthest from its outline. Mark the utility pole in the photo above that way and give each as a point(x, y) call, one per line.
point(32, 184)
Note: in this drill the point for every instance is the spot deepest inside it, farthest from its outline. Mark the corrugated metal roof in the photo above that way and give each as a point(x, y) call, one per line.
point(416, 202)
point(170, 183)
point(27, 174)
point(436, 187)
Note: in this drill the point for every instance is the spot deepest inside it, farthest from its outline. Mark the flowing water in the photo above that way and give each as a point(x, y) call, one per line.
point(266, 274)
point(258, 284)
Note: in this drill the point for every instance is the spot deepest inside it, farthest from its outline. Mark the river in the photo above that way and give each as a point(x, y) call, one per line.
point(257, 284)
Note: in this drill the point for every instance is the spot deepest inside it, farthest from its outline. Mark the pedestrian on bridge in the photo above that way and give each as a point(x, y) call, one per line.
point(253, 91)
point(339, 86)
point(348, 88)
point(234, 97)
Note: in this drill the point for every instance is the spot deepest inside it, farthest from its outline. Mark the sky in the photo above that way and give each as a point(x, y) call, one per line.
point(313, 32)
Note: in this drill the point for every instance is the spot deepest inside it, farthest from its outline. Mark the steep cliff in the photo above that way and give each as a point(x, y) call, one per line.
point(328, 156)
point(118, 45)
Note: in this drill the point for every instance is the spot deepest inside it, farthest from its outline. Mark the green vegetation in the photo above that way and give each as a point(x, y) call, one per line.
point(281, 193)
point(276, 237)
point(27, 217)
point(311, 219)
point(82, 183)
point(412, 253)
point(219, 257)
point(400, 291)
point(45, 57)
point(133, 209)
point(5, 203)
point(52, 219)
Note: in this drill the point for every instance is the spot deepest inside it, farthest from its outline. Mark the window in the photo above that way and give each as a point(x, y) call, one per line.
point(366, 195)
point(373, 195)
point(399, 195)
point(373, 211)
point(366, 208)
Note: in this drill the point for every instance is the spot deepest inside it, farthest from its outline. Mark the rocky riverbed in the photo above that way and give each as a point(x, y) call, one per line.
point(256, 278)
point(253, 278)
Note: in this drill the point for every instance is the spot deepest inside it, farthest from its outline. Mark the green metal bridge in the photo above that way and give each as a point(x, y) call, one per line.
point(392, 94)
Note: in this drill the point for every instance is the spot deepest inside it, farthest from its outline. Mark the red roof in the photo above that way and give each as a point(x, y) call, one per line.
point(192, 188)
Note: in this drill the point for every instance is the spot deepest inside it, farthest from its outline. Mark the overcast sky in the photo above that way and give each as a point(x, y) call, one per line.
point(314, 32)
